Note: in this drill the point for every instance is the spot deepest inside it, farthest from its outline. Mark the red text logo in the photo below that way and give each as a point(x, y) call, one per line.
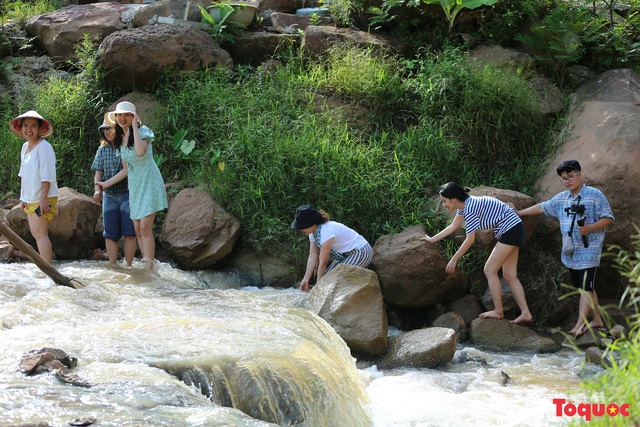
point(587, 410)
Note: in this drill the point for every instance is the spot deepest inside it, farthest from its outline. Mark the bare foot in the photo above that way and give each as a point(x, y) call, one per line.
point(523, 318)
point(578, 330)
point(594, 325)
point(148, 263)
point(491, 315)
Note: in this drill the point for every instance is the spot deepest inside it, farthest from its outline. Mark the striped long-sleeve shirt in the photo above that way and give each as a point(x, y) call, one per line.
point(485, 213)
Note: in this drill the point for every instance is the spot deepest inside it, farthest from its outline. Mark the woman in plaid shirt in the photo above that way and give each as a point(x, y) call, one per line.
point(115, 199)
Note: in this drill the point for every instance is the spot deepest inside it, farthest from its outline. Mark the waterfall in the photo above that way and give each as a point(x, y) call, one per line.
point(170, 344)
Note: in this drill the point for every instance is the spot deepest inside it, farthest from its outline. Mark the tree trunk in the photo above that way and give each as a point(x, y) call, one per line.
point(34, 256)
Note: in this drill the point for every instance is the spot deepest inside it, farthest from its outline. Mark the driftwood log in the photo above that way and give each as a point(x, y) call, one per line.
point(35, 257)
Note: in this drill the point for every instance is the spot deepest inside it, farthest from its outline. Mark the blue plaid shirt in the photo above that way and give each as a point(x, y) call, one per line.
point(108, 161)
point(596, 207)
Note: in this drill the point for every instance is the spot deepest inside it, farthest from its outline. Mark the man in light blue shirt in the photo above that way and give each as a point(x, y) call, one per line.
point(579, 204)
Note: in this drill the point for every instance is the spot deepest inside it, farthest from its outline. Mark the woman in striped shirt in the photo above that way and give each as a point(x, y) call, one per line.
point(485, 213)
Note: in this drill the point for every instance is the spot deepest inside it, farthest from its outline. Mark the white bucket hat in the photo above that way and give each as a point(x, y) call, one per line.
point(124, 107)
point(16, 124)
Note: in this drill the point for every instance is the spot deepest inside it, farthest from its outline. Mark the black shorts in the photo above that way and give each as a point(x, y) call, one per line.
point(584, 279)
point(513, 236)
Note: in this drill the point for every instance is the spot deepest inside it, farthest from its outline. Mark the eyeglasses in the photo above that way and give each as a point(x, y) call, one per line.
point(569, 177)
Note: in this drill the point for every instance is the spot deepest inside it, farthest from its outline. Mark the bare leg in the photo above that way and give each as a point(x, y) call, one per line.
point(510, 273)
point(136, 227)
point(597, 321)
point(498, 257)
point(588, 302)
point(39, 228)
point(112, 250)
point(148, 243)
point(129, 249)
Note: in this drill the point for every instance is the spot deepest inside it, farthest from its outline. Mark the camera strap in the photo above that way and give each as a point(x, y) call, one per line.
point(573, 221)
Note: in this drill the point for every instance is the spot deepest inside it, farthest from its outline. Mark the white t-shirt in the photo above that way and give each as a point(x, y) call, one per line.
point(36, 167)
point(344, 238)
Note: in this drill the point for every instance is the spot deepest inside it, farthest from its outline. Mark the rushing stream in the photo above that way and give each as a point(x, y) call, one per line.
point(193, 349)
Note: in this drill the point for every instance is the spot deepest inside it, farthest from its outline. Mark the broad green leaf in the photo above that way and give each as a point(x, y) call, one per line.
point(188, 146)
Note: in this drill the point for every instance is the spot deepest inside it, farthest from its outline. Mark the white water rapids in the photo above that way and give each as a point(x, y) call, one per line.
point(193, 349)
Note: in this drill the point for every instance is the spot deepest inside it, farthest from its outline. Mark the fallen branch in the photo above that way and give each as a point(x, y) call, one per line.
point(35, 257)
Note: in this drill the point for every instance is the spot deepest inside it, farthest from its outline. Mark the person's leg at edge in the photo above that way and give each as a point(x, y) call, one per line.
point(510, 274)
point(112, 250)
point(585, 280)
point(136, 227)
point(578, 278)
point(148, 243)
point(129, 249)
point(39, 228)
point(499, 255)
point(127, 229)
point(597, 321)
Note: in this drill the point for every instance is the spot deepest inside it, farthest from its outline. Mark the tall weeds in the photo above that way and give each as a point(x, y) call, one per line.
point(265, 142)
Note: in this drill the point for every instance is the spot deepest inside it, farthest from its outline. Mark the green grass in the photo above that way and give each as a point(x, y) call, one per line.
point(265, 142)
point(20, 11)
point(444, 122)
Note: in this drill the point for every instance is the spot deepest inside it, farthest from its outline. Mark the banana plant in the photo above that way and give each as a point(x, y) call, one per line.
point(453, 7)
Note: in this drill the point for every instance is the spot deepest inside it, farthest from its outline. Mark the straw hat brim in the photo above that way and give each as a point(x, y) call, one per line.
point(16, 124)
point(110, 118)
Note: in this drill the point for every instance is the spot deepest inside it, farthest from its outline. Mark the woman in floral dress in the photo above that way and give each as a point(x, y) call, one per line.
point(147, 193)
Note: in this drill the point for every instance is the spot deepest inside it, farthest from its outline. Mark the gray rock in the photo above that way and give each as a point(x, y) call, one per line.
point(466, 306)
point(422, 348)
point(453, 321)
point(349, 299)
point(197, 231)
point(60, 31)
point(72, 231)
point(320, 38)
point(412, 271)
point(136, 58)
point(502, 335)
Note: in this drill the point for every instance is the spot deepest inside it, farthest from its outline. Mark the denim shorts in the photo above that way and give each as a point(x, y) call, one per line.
point(116, 216)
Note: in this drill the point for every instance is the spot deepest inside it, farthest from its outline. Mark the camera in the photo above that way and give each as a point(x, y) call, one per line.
point(576, 209)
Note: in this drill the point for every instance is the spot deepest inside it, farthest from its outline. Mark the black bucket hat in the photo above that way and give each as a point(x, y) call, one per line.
point(568, 166)
point(306, 216)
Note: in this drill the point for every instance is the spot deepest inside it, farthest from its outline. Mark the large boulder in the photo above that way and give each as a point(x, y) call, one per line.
point(317, 39)
point(503, 57)
point(502, 335)
point(605, 139)
point(60, 31)
point(422, 348)
point(261, 269)
point(72, 232)
point(197, 231)
point(256, 48)
point(349, 299)
point(412, 271)
point(168, 8)
point(136, 58)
